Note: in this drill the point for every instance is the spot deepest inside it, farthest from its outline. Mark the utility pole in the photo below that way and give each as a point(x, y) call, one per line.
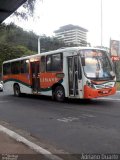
point(39, 45)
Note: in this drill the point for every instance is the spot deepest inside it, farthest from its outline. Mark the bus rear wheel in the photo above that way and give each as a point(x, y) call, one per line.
point(59, 94)
point(17, 90)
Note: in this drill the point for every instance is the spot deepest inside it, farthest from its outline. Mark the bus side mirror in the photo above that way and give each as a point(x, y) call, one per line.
point(83, 61)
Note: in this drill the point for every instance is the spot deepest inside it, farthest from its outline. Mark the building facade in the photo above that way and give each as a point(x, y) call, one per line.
point(71, 34)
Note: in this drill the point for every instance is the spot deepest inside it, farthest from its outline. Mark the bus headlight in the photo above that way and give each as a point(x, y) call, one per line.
point(88, 83)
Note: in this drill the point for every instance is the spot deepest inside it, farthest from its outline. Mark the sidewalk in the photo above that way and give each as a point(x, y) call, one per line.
point(14, 146)
point(19, 145)
point(10, 149)
point(11, 146)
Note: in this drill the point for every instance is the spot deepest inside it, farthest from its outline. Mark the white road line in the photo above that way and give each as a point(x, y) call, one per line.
point(70, 119)
point(31, 145)
point(4, 101)
point(89, 115)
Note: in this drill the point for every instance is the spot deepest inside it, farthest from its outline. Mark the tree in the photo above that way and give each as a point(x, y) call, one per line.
point(50, 43)
point(29, 7)
point(15, 42)
point(14, 35)
point(8, 52)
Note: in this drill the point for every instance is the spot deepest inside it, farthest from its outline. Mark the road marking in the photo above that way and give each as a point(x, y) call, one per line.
point(30, 144)
point(4, 101)
point(70, 119)
point(89, 115)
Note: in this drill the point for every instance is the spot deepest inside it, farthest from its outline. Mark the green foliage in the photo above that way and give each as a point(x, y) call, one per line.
point(15, 42)
point(117, 69)
point(8, 52)
point(118, 86)
point(50, 43)
point(27, 11)
point(15, 35)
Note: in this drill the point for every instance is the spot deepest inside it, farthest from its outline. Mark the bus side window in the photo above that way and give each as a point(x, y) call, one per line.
point(49, 63)
point(25, 66)
point(55, 62)
point(15, 67)
point(6, 68)
point(43, 64)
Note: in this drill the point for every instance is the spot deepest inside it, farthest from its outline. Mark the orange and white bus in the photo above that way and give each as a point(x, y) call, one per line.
point(73, 72)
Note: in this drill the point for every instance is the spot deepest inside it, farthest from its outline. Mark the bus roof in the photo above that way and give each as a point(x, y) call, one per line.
point(52, 52)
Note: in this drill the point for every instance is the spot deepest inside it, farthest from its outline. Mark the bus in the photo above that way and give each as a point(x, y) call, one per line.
point(73, 72)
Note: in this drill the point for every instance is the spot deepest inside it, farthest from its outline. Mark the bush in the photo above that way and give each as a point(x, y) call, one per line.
point(118, 86)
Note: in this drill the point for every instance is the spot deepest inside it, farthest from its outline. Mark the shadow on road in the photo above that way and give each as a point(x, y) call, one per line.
point(91, 102)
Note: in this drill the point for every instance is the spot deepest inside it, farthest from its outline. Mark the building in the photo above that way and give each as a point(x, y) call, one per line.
point(72, 34)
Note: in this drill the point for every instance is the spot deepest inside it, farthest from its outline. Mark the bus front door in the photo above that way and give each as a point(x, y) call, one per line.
point(35, 76)
point(73, 76)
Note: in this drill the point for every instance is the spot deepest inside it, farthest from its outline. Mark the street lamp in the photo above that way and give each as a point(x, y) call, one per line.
point(39, 45)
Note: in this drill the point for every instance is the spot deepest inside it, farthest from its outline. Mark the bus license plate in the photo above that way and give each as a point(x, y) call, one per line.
point(105, 92)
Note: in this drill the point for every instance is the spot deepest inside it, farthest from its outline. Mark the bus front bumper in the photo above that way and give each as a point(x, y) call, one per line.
point(90, 93)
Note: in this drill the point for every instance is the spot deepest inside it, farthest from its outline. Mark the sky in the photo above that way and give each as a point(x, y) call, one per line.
point(51, 14)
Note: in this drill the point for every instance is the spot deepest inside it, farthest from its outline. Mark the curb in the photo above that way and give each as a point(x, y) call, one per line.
point(30, 144)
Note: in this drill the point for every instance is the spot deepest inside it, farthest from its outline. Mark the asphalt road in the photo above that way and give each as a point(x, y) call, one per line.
point(73, 126)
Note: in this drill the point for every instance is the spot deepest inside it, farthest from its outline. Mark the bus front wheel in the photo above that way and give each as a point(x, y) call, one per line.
point(59, 93)
point(17, 90)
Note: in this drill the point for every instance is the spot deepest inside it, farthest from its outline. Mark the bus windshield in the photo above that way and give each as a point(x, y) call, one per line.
point(97, 65)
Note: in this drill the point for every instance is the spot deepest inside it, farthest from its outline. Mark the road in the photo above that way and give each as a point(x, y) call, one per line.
point(73, 126)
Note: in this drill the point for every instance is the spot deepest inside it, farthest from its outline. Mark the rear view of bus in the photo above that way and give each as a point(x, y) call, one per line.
point(98, 74)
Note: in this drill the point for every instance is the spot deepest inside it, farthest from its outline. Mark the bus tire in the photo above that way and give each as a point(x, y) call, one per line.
point(59, 94)
point(17, 92)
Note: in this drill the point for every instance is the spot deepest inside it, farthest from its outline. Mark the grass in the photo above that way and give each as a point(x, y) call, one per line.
point(118, 86)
